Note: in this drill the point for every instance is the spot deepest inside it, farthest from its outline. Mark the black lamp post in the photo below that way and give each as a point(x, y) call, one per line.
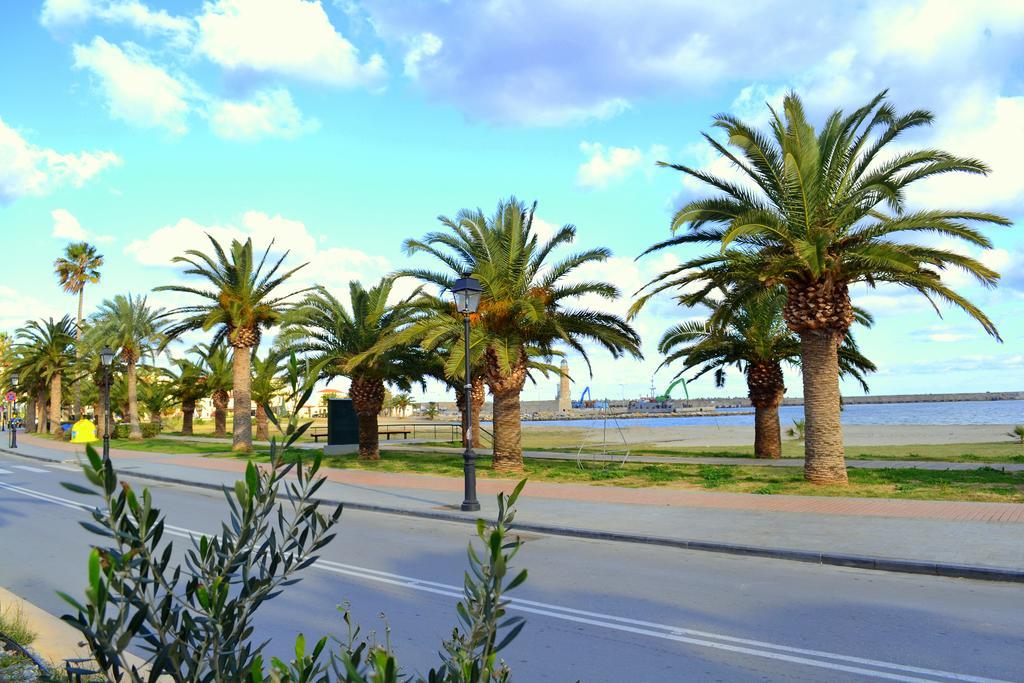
point(466, 291)
point(10, 414)
point(107, 358)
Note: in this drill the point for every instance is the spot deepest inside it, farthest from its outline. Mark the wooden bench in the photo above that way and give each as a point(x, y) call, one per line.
point(388, 432)
point(317, 433)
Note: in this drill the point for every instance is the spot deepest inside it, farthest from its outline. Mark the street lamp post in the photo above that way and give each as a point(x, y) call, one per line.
point(107, 359)
point(10, 413)
point(466, 291)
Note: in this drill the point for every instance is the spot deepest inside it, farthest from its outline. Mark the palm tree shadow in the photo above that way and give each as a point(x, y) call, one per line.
point(11, 509)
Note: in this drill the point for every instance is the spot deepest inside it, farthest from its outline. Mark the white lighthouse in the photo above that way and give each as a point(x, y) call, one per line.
point(564, 400)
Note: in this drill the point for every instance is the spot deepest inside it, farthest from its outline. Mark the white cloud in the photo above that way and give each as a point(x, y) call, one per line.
point(533, 111)
point(18, 306)
point(985, 126)
point(290, 38)
point(923, 33)
point(332, 267)
point(26, 169)
point(137, 90)
point(66, 226)
point(57, 14)
point(422, 48)
point(269, 113)
point(604, 167)
point(949, 337)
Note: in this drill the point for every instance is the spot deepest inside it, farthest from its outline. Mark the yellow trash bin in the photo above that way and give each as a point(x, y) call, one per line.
point(83, 431)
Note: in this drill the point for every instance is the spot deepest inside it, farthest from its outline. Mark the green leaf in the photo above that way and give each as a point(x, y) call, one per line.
point(252, 477)
point(94, 569)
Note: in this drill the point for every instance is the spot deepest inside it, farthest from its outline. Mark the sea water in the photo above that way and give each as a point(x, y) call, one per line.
point(938, 413)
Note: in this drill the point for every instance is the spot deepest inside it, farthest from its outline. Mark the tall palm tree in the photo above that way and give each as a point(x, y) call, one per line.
point(31, 383)
point(266, 384)
point(815, 214)
point(80, 265)
point(92, 367)
point(48, 349)
point(241, 303)
point(219, 380)
point(756, 340)
point(440, 330)
point(132, 329)
point(338, 340)
point(158, 395)
point(190, 387)
point(400, 403)
point(527, 301)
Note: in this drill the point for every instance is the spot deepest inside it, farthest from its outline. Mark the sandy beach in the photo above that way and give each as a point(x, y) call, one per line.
point(710, 435)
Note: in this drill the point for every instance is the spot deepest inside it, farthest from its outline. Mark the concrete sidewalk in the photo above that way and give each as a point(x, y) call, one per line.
point(980, 540)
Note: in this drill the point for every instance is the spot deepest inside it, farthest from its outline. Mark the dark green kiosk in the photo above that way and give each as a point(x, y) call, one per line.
point(342, 427)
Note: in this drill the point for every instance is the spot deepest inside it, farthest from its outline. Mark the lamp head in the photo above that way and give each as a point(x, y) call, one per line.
point(467, 291)
point(107, 356)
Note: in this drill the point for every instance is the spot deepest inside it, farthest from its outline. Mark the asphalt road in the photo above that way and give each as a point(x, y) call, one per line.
point(596, 611)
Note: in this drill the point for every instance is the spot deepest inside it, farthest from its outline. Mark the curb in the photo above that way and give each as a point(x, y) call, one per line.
point(949, 570)
point(56, 640)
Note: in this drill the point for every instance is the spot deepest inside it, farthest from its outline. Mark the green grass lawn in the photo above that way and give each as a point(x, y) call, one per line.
point(998, 452)
point(985, 484)
point(171, 446)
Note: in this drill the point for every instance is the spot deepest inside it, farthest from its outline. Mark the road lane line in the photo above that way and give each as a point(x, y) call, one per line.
point(754, 648)
point(28, 468)
point(549, 609)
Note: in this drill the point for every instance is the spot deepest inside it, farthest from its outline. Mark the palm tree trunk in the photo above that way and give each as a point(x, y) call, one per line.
point(767, 432)
point(188, 411)
point(241, 393)
point(30, 414)
point(508, 447)
point(220, 414)
point(479, 395)
point(262, 423)
point(55, 404)
point(97, 413)
point(824, 461)
point(367, 400)
point(41, 426)
point(369, 437)
point(135, 431)
point(77, 388)
point(766, 387)
point(505, 389)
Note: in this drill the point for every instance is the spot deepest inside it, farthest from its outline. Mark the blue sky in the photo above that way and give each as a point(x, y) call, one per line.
point(341, 128)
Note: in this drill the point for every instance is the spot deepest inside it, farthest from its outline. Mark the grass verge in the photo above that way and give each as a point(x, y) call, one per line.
point(170, 446)
point(14, 626)
point(984, 484)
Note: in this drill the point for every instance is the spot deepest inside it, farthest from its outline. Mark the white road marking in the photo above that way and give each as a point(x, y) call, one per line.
point(31, 469)
point(2, 471)
point(756, 648)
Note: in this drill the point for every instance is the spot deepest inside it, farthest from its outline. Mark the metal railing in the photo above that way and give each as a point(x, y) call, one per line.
point(439, 431)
